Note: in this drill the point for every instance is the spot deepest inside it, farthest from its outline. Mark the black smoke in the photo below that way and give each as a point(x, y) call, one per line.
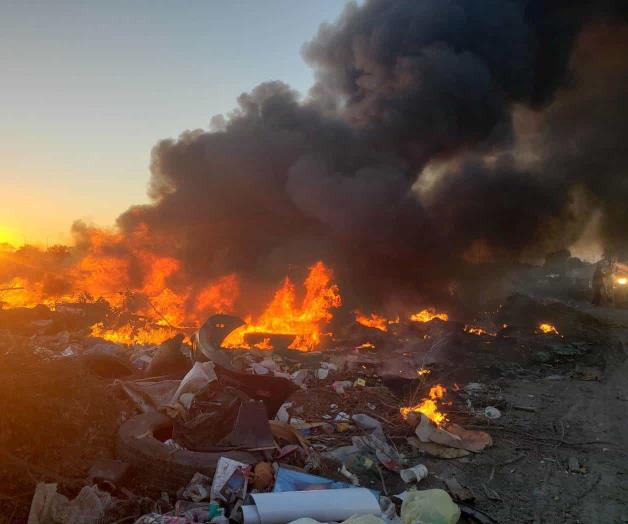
point(402, 87)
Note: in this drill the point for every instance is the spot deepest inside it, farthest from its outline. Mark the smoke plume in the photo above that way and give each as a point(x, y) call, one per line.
point(410, 150)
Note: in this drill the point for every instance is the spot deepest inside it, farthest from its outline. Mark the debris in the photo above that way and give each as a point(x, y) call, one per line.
point(529, 409)
point(198, 489)
point(342, 427)
point(157, 518)
point(451, 435)
point(389, 510)
point(413, 474)
point(148, 395)
point(476, 514)
point(210, 420)
point(492, 413)
point(342, 417)
point(158, 465)
point(436, 450)
point(109, 470)
point(229, 481)
point(474, 387)
point(364, 519)
point(368, 423)
point(259, 369)
point(207, 340)
point(287, 433)
point(294, 480)
point(168, 360)
point(263, 476)
point(273, 391)
point(322, 373)
point(458, 491)
point(341, 386)
point(299, 377)
point(220, 518)
point(324, 506)
point(351, 476)
point(282, 413)
point(251, 429)
point(46, 504)
point(196, 379)
point(431, 506)
point(575, 466)
point(471, 440)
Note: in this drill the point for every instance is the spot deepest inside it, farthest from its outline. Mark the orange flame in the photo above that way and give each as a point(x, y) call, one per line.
point(425, 315)
point(548, 328)
point(284, 317)
point(126, 273)
point(373, 321)
point(475, 330)
point(429, 406)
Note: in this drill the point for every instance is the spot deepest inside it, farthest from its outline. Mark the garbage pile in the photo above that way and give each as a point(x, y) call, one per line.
point(348, 434)
point(255, 437)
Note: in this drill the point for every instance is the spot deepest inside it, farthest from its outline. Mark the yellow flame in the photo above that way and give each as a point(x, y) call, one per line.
point(373, 321)
point(548, 328)
point(475, 330)
point(284, 317)
point(622, 281)
point(425, 315)
point(428, 406)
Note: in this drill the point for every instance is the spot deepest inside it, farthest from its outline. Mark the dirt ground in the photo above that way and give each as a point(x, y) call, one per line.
point(554, 418)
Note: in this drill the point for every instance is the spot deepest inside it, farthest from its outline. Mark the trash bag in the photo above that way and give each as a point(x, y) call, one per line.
point(364, 519)
point(210, 419)
point(430, 506)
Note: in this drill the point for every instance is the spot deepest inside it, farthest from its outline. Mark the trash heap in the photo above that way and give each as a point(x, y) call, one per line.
point(254, 437)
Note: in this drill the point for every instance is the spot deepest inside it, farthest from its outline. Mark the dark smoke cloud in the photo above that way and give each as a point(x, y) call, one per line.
point(400, 85)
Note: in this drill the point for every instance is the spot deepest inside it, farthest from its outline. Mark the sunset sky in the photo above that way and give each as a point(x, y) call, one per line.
point(89, 87)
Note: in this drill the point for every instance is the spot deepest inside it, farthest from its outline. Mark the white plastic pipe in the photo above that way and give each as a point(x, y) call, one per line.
point(323, 505)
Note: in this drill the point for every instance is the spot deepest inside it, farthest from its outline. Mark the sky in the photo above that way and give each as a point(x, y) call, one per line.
point(89, 87)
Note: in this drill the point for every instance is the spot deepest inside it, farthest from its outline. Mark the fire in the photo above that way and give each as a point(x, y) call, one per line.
point(372, 321)
point(421, 372)
point(425, 315)
point(366, 345)
point(128, 334)
point(429, 406)
point(475, 330)
point(548, 328)
point(622, 281)
point(284, 317)
point(126, 273)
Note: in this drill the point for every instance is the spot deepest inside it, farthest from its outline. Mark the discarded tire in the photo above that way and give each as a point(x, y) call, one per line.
point(158, 466)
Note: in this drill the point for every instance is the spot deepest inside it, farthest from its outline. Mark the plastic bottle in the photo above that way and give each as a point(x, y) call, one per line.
point(220, 518)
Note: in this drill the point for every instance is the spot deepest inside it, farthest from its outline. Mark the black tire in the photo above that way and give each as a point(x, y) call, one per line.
point(159, 467)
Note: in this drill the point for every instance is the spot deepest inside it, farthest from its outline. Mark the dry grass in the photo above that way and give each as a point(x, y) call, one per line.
point(55, 420)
